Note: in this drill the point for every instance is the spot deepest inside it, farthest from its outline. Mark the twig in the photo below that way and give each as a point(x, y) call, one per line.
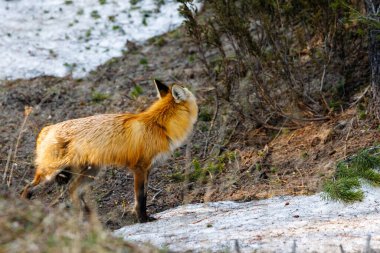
point(279, 131)
point(324, 70)
point(347, 136)
point(232, 133)
point(54, 202)
point(7, 164)
point(154, 189)
point(294, 246)
point(22, 178)
point(124, 208)
point(280, 128)
point(211, 125)
point(301, 177)
point(237, 247)
point(323, 77)
point(303, 119)
point(187, 165)
point(155, 195)
point(20, 162)
point(368, 245)
point(195, 222)
point(27, 112)
point(325, 104)
point(14, 165)
point(361, 96)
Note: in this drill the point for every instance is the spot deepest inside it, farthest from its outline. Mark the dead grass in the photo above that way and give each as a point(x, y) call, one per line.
point(29, 226)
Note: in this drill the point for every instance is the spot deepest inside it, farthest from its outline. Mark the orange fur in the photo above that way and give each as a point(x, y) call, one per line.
point(128, 140)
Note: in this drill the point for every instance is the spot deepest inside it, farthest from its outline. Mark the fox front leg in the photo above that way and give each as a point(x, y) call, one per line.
point(141, 189)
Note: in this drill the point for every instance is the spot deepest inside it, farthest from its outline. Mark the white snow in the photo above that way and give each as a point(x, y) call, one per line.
point(60, 37)
point(271, 225)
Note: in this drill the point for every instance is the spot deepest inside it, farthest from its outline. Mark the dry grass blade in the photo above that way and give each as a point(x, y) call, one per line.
point(27, 111)
point(7, 165)
point(31, 227)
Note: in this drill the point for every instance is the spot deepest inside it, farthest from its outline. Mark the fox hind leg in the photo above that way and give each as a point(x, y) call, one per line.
point(27, 192)
point(42, 175)
point(64, 176)
point(78, 187)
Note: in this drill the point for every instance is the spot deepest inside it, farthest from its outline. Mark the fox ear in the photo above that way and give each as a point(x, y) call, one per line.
point(178, 93)
point(161, 88)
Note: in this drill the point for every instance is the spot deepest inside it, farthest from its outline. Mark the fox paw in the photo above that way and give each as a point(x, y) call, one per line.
point(146, 219)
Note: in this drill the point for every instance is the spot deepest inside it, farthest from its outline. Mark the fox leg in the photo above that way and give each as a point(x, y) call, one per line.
point(77, 189)
point(141, 189)
point(41, 175)
point(27, 192)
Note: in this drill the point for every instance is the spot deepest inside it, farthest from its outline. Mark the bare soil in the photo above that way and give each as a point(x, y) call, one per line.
point(264, 163)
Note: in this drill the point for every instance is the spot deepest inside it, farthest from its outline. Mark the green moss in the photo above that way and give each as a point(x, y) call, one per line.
point(214, 168)
point(95, 14)
point(197, 173)
point(228, 156)
point(88, 33)
point(191, 58)
point(201, 172)
point(177, 153)
point(112, 61)
point(362, 115)
point(80, 12)
point(273, 169)
point(175, 34)
point(111, 18)
point(304, 155)
point(144, 21)
point(134, 2)
point(204, 115)
point(258, 167)
point(203, 126)
point(144, 61)
point(177, 177)
point(70, 66)
point(196, 147)
point(136, 91)
point(335, 105)
point(160, 41)
point(98, 97)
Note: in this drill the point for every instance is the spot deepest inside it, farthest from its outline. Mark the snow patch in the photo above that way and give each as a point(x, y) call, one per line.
point(271, 225)
point(61, 37)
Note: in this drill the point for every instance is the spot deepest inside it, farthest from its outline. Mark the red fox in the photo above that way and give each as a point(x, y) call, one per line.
point(80, 147)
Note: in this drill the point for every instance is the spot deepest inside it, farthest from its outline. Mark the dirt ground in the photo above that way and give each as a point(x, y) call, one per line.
point(252, 163)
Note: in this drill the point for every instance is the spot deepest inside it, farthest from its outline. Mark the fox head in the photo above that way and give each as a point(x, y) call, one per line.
point(179, 96)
